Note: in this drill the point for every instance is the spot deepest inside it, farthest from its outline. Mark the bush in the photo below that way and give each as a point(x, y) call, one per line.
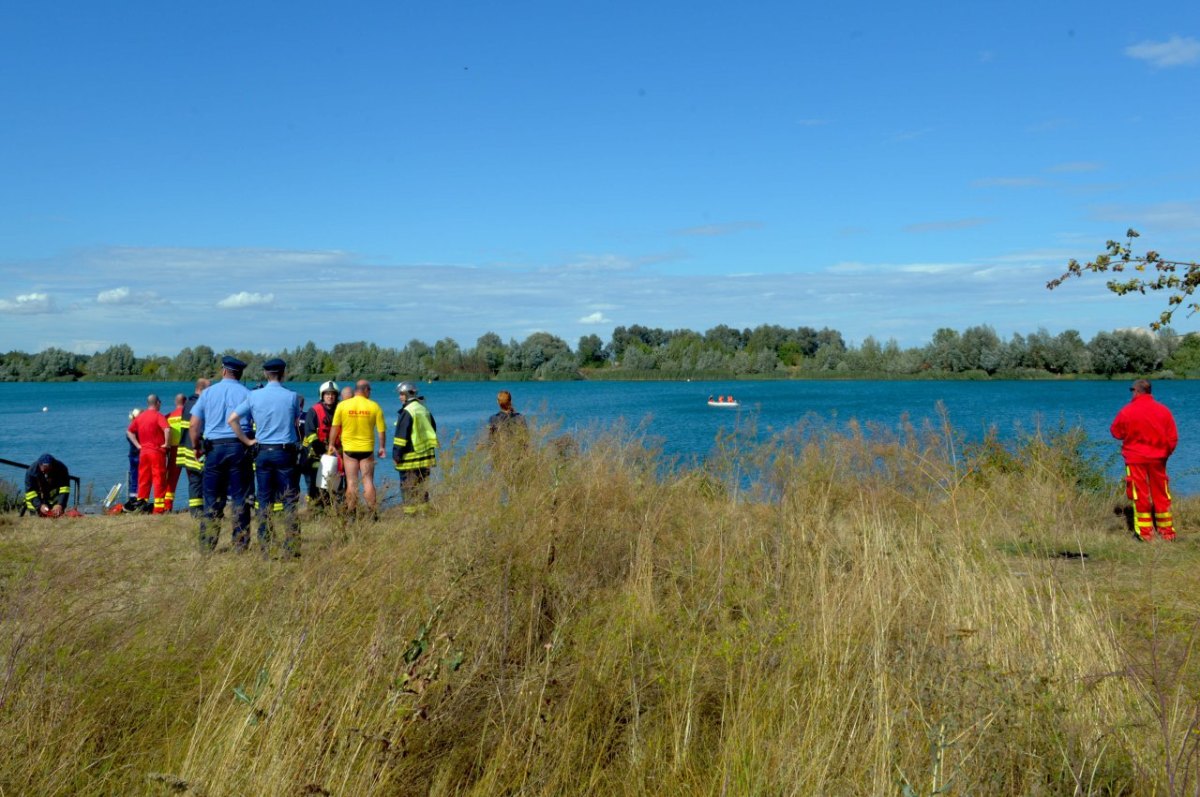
point(12, 497)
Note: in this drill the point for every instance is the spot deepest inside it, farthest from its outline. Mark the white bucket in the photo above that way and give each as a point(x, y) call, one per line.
point(327, 475)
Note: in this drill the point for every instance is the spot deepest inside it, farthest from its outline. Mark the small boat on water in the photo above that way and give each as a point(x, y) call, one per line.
point(723, 401)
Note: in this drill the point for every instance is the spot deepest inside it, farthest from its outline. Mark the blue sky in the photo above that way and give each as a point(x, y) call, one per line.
point(257, 175)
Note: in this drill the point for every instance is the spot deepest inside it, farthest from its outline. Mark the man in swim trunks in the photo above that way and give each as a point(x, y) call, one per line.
point(357, 427)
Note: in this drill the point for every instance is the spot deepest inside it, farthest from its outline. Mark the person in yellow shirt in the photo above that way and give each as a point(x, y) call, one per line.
point(357, 427)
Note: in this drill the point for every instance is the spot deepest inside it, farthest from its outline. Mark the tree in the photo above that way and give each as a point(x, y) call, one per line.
point(560, 366)
point(590, 351)
point(1068, 354)
point(1142, 352)
point(765, 362)
point(490, 349)
point(945, 351)
point(305, 362)
point(1178, 278)
point(446, 357)
point(639, 358)
point(981, 349)
point(725, 338)
point(114, 361)
point(1108, 358)
point(766, 337)
point(1186, 358)
point(194, 362)
point(538, 348)
point(54, 363)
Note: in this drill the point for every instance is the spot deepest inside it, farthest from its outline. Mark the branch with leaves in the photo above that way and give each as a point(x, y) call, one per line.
point(1177, 277)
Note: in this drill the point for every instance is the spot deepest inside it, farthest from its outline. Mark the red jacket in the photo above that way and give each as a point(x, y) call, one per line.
point(1146, 430)
point(150, 428)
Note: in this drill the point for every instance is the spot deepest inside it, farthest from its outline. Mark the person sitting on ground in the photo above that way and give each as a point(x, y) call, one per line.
point(357, 422)
point(47, 487)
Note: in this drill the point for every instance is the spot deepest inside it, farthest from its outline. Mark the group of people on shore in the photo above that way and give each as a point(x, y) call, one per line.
point(247, 448)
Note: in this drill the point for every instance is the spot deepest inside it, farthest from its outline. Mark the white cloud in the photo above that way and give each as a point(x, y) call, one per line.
point(930, 268)
point(113, 296)
point(245, 299)
point(124, 296)
point(88, 345)
point(28, 304)
point(595, 263)
point(1159, 215)
point(510, 299)
point(1175, 51)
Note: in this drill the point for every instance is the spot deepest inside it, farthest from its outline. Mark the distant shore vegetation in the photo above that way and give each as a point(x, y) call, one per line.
point(639, 352)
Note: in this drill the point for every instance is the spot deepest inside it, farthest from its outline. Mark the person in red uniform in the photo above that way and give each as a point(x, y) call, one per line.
point(150, 433)
point(1148, 437)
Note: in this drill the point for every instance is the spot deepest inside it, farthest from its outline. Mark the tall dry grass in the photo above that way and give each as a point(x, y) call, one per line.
point(860, 617)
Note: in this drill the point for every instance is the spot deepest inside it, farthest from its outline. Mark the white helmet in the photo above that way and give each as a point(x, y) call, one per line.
point(328, 387)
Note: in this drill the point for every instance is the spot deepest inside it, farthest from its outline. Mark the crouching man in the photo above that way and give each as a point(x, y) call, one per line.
point(47, 487)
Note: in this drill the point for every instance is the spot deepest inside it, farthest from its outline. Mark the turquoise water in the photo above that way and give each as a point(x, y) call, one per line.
point(84, 423)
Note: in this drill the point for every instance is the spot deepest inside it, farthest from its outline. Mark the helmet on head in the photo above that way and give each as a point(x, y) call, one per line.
point(328, 387)
point(406, 389)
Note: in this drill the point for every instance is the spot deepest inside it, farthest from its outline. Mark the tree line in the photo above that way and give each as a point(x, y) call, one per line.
point(637, 351)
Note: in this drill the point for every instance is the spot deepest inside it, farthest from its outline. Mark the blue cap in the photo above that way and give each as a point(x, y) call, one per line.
point(274, 364)
point(233, 364)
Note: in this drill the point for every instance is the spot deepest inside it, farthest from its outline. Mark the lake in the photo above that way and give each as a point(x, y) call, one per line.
point(84, 423)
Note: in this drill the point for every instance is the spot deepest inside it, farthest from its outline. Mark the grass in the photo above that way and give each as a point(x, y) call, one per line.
point(880, 613)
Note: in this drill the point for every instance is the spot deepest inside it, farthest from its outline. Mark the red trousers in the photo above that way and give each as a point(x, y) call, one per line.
point(152, 467)
point(173, 471)
point(1147, 485)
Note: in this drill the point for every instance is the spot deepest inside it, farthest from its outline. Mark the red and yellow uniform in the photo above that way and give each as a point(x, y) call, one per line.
point(1148, 437)
point(174, 466)
point(153, 433)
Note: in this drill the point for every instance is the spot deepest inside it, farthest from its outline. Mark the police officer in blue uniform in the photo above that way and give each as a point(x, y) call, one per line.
point(227, 464)
point(274, 411)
